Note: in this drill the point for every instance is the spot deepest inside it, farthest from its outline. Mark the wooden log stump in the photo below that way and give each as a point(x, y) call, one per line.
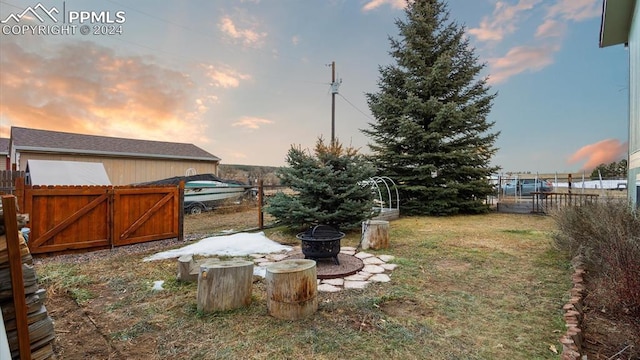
point(224, 285)
point(292, 289)
point(187, 268)
point(375, 234)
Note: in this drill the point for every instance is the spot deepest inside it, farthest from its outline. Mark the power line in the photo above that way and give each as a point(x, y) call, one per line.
point(159, 18)
point(355, 107)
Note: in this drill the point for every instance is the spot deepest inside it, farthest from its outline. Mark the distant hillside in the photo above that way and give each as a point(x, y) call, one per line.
point(249, 173)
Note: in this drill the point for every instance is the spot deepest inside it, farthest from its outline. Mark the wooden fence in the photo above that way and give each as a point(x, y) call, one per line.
point(8, 180)
point(72, 218)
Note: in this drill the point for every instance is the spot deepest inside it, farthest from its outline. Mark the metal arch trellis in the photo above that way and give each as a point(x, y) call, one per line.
point(388, 184)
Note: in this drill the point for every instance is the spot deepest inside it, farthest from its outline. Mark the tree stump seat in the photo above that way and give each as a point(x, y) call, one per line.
point(292, 288)
point(224, 285)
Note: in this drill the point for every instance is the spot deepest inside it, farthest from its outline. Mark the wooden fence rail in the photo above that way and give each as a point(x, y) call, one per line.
point(546, 202)
point(72, 218)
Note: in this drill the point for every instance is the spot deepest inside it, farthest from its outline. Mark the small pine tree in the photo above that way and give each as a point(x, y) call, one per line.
point(430, 133)
point(328, 188)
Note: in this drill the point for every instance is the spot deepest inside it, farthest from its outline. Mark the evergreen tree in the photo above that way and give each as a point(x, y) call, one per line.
point(328, 188)
point(611, 170)
point(430, 133)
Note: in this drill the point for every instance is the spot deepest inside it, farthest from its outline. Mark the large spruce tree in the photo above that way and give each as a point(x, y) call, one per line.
point(430, 132)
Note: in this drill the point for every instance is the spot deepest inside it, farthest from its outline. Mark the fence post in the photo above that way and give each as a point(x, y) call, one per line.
point(15, 269)
point(260, 198)
point(19, 191)
point(181, 211)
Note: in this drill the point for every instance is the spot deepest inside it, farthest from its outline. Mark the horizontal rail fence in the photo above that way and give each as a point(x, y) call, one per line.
point(83, 218)
point(546, 202)
point(8, 180)
point(515, 192)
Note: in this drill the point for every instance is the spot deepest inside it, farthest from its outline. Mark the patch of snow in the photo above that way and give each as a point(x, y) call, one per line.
point(260, 271)
point(240, 244)
point(157, 285)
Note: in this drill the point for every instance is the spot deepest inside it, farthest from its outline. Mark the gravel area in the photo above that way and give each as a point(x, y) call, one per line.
point(140, 248)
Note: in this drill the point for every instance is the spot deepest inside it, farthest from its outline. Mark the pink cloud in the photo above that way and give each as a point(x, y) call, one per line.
point(551, 28)
point(86, 88)
point(547, 40)
point(251, 123)
point(520, 59)
point(373, 4)
point(602, 152)
point(503, 21)
point(249, 37)
point(224, 76)
point(576, 10)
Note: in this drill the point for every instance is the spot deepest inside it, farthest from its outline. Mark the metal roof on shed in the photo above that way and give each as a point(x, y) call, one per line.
point(25, 139)
point(53, 172)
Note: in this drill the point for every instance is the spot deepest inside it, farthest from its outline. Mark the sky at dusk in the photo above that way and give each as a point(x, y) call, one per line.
point(245, 80)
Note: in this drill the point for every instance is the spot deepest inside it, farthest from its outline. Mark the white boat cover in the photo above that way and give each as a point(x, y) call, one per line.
point(52, 172)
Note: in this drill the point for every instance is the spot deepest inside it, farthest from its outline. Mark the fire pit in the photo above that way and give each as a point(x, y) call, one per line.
point(321, 242)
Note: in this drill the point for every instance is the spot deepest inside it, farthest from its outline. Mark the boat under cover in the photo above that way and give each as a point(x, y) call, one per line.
point(205, 187)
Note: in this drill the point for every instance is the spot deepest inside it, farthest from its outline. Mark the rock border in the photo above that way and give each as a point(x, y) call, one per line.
point(573, 314)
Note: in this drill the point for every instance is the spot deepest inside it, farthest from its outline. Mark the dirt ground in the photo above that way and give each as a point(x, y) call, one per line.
point(82, 332)
point(607, 332)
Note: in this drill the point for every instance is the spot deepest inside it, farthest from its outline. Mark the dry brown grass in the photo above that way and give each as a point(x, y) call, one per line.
point(468, 287)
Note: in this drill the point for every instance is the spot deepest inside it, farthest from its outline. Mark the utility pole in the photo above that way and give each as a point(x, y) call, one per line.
point(334, 91)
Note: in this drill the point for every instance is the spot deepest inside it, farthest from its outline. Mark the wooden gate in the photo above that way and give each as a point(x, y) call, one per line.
point(71, 218)
point(145, 214)
point(67, 218)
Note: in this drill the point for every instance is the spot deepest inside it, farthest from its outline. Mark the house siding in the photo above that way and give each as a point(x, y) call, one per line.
point(634, 105)
point(124, 171)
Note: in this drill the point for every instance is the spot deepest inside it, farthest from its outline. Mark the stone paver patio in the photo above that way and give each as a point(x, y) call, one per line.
point(376, 269)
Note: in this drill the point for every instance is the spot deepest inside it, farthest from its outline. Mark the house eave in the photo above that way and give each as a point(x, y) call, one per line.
point(616, 22)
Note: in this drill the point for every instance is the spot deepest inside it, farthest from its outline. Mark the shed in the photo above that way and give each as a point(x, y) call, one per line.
point(52, 172)
point(126, 161)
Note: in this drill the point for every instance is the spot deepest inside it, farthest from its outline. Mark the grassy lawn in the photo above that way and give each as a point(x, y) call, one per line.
point(468, 287)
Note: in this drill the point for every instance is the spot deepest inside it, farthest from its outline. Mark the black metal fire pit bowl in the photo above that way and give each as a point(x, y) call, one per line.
point(321, 242)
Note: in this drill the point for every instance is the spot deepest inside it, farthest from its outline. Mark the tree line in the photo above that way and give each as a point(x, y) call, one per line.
point(612, 170)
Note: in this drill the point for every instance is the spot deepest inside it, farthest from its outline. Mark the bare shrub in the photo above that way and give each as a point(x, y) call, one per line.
point(607, 236)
